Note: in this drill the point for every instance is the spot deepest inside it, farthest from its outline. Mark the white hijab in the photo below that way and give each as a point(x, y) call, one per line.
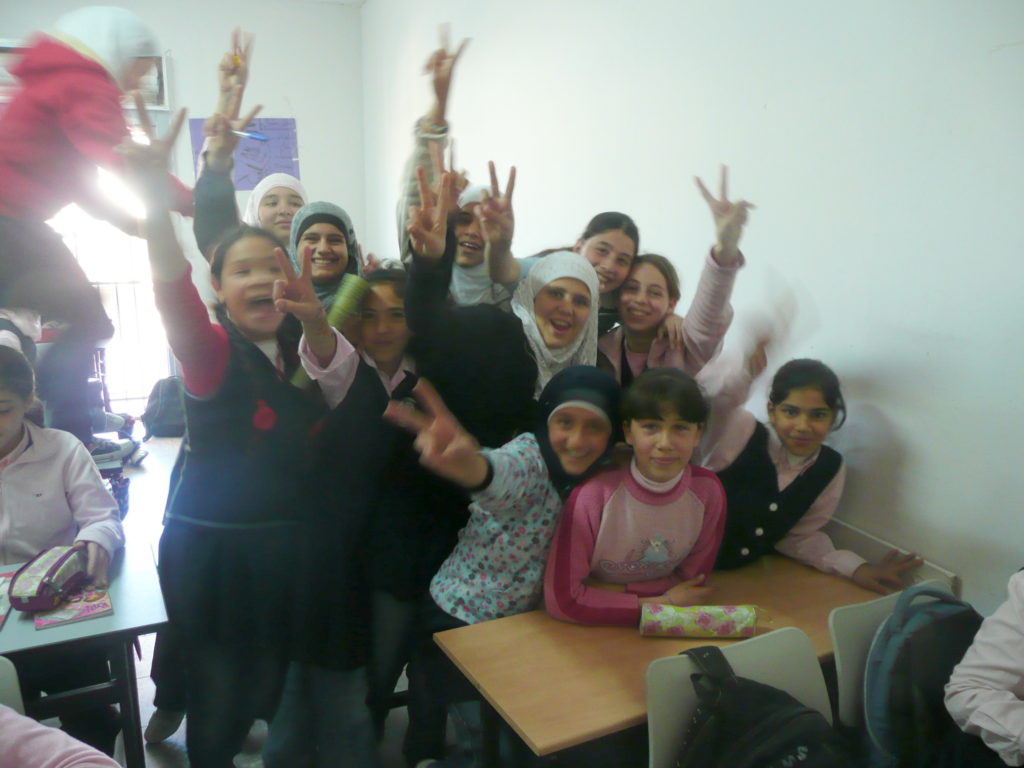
point(112, 36)
point(251, 216)
point(583, 349)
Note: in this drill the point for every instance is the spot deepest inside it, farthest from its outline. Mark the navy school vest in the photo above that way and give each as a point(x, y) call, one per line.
point(759, 514)
point(246, 460)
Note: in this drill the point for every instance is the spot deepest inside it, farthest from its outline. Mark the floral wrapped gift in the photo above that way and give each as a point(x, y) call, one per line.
point(698, 620)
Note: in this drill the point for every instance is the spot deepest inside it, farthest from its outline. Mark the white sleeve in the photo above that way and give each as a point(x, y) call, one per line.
point(95, 511)
point(984, 693)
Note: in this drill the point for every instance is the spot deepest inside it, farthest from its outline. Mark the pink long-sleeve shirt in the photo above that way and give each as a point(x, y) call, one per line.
point(704, 327)
point(619, 528)
point(985, 694)
point(28, 744)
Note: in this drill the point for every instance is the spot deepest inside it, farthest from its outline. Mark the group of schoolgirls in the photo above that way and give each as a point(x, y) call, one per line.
point(311, 546)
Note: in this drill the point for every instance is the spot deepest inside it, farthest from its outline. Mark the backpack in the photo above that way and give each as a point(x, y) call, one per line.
point(165, 410)
point(908, 665)
point(741, 723)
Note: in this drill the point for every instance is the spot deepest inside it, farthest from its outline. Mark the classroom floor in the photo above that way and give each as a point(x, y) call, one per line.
point(143, 525)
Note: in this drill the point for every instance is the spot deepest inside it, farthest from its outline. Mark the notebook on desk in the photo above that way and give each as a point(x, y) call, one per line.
point(82, 605)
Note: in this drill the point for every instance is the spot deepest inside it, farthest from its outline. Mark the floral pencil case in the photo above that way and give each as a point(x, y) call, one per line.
point(48, 578)
point(698, 620)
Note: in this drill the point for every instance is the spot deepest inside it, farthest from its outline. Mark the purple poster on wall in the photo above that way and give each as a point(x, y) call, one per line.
point(256, 159)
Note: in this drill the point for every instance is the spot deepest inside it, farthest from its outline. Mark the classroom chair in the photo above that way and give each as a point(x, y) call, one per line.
point(784, 658)
point(853, 627)
point(10, 691)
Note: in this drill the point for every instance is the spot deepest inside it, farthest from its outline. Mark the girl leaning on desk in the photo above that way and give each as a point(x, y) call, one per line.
point(52, 494)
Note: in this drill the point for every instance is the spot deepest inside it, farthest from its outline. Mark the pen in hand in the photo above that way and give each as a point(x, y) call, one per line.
point(251, 135)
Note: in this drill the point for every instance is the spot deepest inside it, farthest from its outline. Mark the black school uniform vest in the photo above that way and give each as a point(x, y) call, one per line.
point(246, 459)
point(759, 514)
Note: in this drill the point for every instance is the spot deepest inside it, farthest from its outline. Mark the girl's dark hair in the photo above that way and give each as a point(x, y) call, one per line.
point(232, 236)
point(16, 373)
point(396, 278)
point(609, 220)
point(663, 265)
point(659, 389)
point(606, 222)
point(809, 374)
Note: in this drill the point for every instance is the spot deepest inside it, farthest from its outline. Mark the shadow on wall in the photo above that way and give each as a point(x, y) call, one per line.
point(875, 459)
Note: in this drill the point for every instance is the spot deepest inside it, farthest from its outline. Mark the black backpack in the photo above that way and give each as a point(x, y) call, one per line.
point(740, 723)
point(165, 409)
point(908, 666)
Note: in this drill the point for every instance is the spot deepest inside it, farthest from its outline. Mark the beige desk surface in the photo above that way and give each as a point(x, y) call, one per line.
point(560, 684)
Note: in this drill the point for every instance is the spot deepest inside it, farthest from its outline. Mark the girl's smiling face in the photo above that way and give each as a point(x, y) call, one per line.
point(662, 447)
point(329, 249)
point(12, 419)
point(277, 207)
point(561, 309)
point(578, 436)
point(610, 253)
point(802, 420)
point(644, 300)
point(246, 286)
point(383, 331)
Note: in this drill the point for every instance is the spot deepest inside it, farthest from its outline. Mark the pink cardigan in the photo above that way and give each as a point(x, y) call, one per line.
point(28, 744)
point(705, 324)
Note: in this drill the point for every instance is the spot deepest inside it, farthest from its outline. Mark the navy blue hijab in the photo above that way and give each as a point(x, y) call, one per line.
point(580, 382)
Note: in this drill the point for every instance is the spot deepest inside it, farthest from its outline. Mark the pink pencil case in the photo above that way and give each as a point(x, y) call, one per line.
point(48, 578)
point(698, 620)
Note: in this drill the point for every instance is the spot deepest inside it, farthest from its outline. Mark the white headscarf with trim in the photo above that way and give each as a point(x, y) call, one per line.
point(583, 349)
point(251, 216)
point(112, 36)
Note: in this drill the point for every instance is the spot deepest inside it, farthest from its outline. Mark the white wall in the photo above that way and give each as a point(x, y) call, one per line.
point(306, 65)
point(882, 142)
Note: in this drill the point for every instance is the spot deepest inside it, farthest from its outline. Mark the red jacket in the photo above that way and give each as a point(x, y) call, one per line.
point(64, 122)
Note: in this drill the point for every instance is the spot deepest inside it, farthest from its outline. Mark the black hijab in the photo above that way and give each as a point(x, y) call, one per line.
point(581, 382)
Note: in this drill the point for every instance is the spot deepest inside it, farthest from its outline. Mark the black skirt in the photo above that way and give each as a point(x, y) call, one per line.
point(231, 587)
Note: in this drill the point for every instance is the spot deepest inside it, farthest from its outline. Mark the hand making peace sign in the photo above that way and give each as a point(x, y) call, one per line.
point(445, 447)
point(729, 219)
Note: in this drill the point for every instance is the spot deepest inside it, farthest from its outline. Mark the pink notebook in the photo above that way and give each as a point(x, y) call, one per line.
point(82, 605)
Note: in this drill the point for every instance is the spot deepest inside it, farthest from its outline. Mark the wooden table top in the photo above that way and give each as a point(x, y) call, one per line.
point(560, 684)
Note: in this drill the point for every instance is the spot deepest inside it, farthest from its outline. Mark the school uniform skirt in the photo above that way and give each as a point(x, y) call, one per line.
point(231, 587)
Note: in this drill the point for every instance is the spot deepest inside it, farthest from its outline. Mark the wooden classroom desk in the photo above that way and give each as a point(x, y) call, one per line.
point(558, 684)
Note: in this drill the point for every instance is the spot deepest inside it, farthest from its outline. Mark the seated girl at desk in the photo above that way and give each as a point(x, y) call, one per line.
point(648, 532)
point(783, 483)
point(985, 694)
point(53, 495)
point(496, 569)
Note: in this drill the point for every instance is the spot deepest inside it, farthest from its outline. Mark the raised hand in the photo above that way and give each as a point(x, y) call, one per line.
point(440, 67)
point(370, 262)
point(757, 359)
point(428, 222)
point(295, 293)
point(233, 71)
point(889, 575)
point(497, 219)
point(444, 446)
point(459, 180)
point(147, 164)
point(730, 217)
point(220, 129)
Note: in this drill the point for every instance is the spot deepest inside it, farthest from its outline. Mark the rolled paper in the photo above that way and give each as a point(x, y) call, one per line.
point(698, 620)
point(345, 303)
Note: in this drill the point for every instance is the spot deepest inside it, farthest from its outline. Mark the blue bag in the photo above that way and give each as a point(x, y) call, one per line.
point(908, 665)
